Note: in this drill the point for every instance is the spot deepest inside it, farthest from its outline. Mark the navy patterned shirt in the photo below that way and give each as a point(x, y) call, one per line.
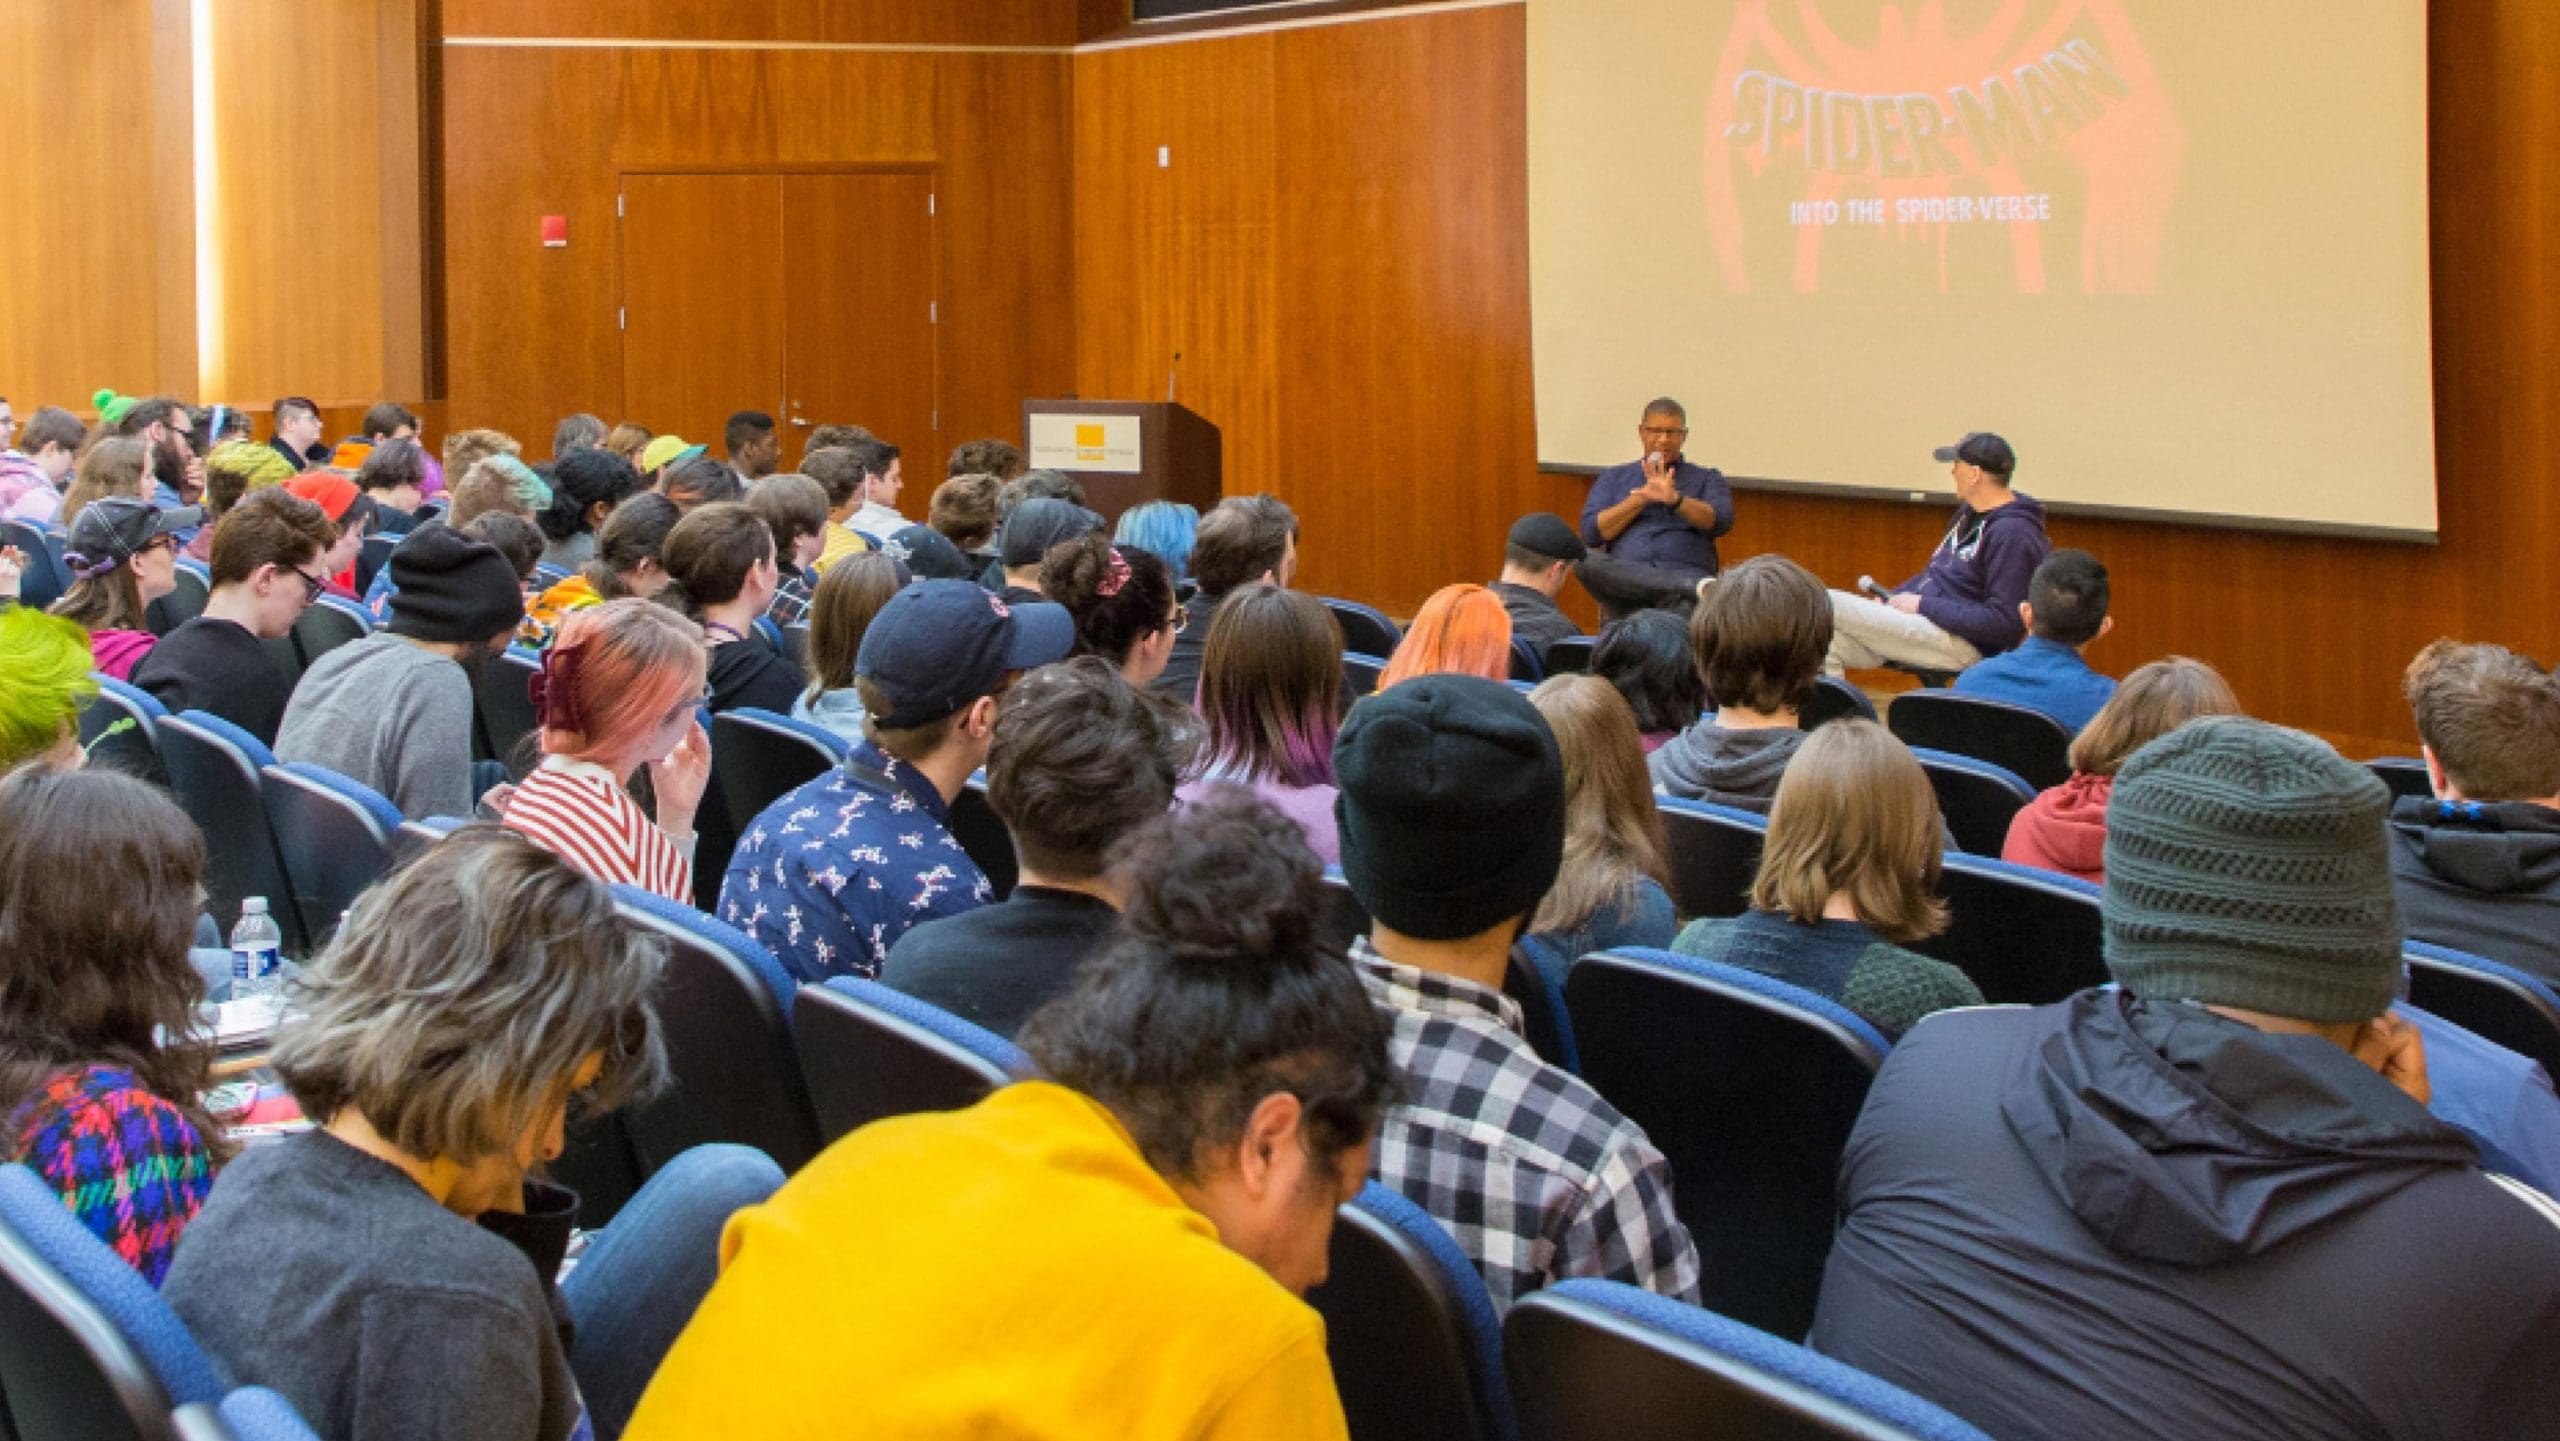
point(829, 876)
point(1534, 1175)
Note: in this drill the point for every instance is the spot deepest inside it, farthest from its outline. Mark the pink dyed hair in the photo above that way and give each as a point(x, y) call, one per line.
point(636, 660)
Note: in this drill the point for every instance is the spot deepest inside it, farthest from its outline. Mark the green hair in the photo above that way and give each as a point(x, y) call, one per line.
point(44, 681)
point(531, 491)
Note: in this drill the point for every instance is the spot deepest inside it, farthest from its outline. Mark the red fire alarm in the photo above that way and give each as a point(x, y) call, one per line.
point(555, 231)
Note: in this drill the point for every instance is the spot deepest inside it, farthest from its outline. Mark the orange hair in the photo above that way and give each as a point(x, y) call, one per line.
point(1462, 629)
point(636, 659)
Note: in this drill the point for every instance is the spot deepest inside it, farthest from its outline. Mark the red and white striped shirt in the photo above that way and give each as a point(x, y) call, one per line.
point(576, 811)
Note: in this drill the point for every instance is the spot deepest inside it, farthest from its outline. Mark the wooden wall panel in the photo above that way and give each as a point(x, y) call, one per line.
point(1007, 202)
point(80, 257)
point(878, 22)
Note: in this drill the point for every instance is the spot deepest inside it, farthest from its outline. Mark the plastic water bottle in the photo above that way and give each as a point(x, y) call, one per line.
point(257, 950)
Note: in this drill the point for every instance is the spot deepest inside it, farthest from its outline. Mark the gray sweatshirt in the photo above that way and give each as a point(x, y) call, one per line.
point(386, 712)
point(1706, 762)
point(331, 1277)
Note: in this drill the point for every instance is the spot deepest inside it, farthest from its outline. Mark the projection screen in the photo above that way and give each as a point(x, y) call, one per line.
point(2174, 250)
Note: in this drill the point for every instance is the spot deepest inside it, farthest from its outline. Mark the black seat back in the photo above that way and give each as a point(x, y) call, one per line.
point(1570, 655)
point(2030, 743)
point(870, 1053)
point(2493, 1001)
point(1412, 1340)
point(1749, 1087)
point(1715, 856)
point(66, 1371)
point(44, 578)
point(119, 728)
point(2405, 775)
point(1360, 672)
point(1834, 699)
point(724, 1008)
point(502, 697)
point(757, 758)
point(326, 625)
point(1977, 798)
point(1364, 628)
point(983, 834)
point(333, 845)
point(2026, 937)
point(214, 769)
point(1525, 664)
point(180, 605)
point(370, 560)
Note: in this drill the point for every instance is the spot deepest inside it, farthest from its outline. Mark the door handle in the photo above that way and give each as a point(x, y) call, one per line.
point(799, 420)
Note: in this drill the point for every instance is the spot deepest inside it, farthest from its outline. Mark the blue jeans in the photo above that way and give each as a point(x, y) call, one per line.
point(643, 1275)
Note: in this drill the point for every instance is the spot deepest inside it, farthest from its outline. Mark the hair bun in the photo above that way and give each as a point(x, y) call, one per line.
point(1248, 892)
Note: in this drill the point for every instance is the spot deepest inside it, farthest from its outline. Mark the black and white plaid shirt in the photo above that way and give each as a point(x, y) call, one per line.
point(1537, 1178)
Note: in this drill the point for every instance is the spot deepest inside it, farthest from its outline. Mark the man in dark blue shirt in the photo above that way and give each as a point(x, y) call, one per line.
point(1652, 523)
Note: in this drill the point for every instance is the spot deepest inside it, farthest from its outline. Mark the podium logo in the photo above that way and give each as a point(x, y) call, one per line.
point(1089, 437)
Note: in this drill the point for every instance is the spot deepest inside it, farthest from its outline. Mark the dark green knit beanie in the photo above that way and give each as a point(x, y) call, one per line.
point(2247, 866)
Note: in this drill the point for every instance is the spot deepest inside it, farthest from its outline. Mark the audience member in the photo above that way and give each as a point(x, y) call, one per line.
point(620, 689)
point(1041, 484)
point(829, 876)
point(2065, 609)
point(1271, 697)
point(1167, 528)
point(2065, 828)
point(721, 572)
point(499, 482)
point(1613, 887)
point(831, 437)
point(1078, 763)
point(44, 681)
point(2211, 1202)
point(1035, 528)
point(928, 555)
point(264, 574)
point(464, 449)
point(350, 516)
point(849, 597)
point(577, 431)
point(964, 510)
point(513, 536)
point(627, 560)
point(386, 422)
point(755, 451)
point(297, 433)
point(391, 1272)
point(167, 432)
point(585, 487)
point(1213, 1080)
point(394, 478)
point(1453, 821)
point(1848, 877)
point(393, 710)
point(1542, 551)
point(1460, 630)
point(883, 476)
point(1000, 460)
point(115, 465)
point(1758, 637)
point(122, 555)
point(2477, 868)
point(794, 508)
point(627, 440)
point(1966, 604)
point(696, 480)
point(32, 490)
point(1651, 524)
point(1122, 600)
point(99, 881)
point(1243, 539)
point(1647, 658)
point(231, 472)
point(838, 472)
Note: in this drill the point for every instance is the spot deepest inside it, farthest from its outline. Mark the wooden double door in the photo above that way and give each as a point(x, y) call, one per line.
point(810, 296)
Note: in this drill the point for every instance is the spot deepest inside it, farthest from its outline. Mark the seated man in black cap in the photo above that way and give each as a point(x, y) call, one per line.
point(1543, 550)
point(393, 710)
point(1034, 527)
point(1965, 605)
point(1452, 823)
point(2210, 1201)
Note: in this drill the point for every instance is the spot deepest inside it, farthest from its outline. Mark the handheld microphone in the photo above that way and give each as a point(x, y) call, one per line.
point(1171, 376)
point(1867, 583)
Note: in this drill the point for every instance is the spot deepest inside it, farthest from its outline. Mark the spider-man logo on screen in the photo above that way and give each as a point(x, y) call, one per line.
point(1951, 144)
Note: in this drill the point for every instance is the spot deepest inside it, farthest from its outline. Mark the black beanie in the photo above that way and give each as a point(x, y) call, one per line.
point(451, 589)
point(1451, 810)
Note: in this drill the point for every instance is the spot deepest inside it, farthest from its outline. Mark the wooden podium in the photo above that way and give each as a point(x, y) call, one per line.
point(1126, 453)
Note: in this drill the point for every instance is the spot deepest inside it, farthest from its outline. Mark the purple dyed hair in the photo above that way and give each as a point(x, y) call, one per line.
point(1271, 687)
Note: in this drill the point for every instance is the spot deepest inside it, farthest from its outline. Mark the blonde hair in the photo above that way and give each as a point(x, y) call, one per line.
point(636, 659)
point(2153, 701)
point(1612, 830)
point(1855, 813)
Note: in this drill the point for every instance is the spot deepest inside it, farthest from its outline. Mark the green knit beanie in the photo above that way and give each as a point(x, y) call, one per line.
point(2247, 866)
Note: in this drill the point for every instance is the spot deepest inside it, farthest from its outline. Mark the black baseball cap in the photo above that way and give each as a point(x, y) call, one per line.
point(1981, 450)
point(927, 554)
point(113, 529)
point(1540, 533)
point(940, 644)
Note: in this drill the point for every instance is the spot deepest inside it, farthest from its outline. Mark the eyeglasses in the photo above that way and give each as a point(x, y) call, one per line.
point(1181, 618)
point(1663, 432)
point(159, 542)
point(312, 587)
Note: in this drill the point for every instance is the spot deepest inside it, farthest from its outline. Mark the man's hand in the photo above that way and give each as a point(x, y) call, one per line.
point(2393, 1047)
point(1906, 603)
point(1660, 485)
point(13, 568)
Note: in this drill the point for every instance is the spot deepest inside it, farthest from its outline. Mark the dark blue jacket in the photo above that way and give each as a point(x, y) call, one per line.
point(1979, 573)
point(1658, 536)
point(2112, 1218)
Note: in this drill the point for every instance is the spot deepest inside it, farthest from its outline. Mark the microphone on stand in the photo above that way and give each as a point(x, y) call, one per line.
point(1171, 376)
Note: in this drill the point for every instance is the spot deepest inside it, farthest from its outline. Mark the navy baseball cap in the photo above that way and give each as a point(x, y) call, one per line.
point(940, 644)
point(928, 554)
point(1981, 450)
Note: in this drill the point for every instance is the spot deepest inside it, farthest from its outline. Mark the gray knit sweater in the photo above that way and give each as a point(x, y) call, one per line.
point(389, 713)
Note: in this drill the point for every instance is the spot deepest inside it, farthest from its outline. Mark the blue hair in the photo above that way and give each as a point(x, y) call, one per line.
point(1165, 530)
